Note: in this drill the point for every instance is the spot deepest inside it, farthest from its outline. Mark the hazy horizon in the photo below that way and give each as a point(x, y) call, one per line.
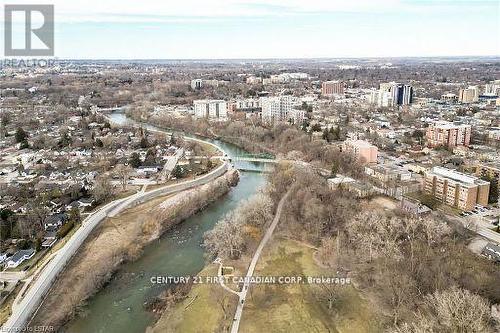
point(451, 57)
point(273, 29)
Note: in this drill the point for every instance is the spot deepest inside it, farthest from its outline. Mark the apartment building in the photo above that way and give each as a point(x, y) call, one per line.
point(281, 108)
point(366, 152)
point(491, 171)
point(446, 134)
point(247, 104)
point(329, 88)
point(456, 189)
point(210, 108)
point(244, 108)
point(492, 88)
point(196, 84)
point(468, 95)
point(392, 94)
point(380, 98)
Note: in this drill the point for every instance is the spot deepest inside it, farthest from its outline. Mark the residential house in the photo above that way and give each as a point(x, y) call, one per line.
point(54, 222)
point(19, 257)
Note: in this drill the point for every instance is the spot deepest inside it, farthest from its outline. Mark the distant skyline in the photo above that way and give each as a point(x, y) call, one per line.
point(257, 29)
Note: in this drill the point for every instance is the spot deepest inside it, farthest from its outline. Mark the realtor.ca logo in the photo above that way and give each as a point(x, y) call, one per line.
point(29, 30)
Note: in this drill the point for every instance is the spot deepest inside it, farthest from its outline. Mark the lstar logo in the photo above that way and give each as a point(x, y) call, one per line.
point(38, 28)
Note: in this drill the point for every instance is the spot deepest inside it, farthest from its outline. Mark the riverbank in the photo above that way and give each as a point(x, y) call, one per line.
point(208, 133)
point(272, 307)
point(118, 240)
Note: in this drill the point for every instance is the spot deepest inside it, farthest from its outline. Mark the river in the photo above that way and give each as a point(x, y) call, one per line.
point(119, 306)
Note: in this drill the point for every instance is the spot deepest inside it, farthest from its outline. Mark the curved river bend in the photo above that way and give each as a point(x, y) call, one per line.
point(119, 306)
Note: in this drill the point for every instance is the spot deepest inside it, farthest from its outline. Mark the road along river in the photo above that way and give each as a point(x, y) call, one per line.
point(120, 306)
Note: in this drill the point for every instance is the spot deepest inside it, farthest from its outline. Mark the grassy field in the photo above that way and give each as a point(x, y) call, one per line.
point(296, 307)
point(201, 311)
point(286, 308)
point(6, 308)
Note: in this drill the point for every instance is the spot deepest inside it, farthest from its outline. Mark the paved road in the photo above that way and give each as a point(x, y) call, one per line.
point(243, 293)
point(477, 224)
point(481, 227)
point(29, 304)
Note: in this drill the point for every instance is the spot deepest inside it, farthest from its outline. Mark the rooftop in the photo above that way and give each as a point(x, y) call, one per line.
point(359, 143)
point(457, 176)
point(448, 125)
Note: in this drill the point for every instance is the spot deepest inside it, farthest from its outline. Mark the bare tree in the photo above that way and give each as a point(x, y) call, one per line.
point(327, 293)
point(459, 310)
point(102, 189)
point(226, 238)
point(434, 230)
point(36, 213)
point(123, 171)
point(257, 210)
point(450, 311)
point(374, 232)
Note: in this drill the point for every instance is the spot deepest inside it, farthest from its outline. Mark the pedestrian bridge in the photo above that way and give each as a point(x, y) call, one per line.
point(252, 159)
point(259, 158)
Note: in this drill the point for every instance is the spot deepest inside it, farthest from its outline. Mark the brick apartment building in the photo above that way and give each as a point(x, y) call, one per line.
point(329, 88)
point(491, 170)
point(366, 152)
point(456, 189)
point(446, 134)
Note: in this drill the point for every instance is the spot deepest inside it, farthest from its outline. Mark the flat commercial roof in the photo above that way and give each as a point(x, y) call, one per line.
point(454, 175)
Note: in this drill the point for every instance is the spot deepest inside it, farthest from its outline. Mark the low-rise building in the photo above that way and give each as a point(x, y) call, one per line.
point(388, 172)
point(254, 80)
point(338, 181)
point(19, 257)
point(53, 222)
point(357, 188)
point(416, 167)
point(413, 206)
point(449, 97)
point(147, 170)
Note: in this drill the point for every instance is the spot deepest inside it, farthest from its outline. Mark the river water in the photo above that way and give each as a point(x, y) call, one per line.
point(119, 306)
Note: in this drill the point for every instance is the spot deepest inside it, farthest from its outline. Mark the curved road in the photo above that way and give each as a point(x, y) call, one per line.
point(33, 298)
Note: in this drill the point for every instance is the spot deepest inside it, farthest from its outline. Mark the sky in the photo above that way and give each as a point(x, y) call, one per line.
point(239, 29)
